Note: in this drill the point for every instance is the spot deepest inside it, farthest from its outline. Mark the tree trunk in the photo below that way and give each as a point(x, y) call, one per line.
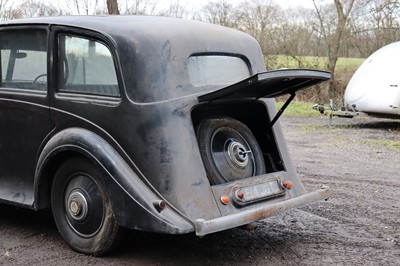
point(333, 53)
point(112, 7)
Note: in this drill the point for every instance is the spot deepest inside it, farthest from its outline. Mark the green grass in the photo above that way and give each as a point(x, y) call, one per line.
point(313, 62)
point(344, 64)
point(389, 143)
point(371, 142)
point(326, 131)
point(298, 108)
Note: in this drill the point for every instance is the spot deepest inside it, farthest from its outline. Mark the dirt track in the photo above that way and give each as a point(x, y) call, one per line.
point(359, 225)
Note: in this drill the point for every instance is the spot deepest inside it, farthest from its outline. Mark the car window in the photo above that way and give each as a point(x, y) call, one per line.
point(216, 70)
point(86, 66)
point(24, 59)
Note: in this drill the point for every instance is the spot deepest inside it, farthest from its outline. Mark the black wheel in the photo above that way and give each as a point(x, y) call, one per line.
point(229, 150)
point(82, 209)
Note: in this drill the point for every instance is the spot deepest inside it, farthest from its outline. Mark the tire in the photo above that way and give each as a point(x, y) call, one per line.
point(229, 150)
point(81, 208)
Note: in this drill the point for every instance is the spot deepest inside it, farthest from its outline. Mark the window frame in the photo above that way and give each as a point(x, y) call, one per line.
point(28, 91)
point(58, 71)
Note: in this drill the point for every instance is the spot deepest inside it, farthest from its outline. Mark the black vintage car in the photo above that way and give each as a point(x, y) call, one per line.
point(146, 123)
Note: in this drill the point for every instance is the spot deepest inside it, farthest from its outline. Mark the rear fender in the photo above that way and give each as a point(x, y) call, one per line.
point(133, 202)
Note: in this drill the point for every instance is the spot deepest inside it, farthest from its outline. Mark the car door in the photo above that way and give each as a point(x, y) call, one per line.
point(24, 111)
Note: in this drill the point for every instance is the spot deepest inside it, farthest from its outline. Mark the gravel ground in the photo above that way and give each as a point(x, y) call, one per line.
point(359, 159)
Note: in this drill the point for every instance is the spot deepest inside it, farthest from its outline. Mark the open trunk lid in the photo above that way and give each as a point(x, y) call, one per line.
point(269, 84)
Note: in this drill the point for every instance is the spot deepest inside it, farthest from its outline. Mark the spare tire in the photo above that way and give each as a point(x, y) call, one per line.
point(229, 150)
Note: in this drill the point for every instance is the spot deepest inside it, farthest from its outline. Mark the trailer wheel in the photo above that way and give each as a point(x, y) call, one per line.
point(229, 150)
point(81, 208)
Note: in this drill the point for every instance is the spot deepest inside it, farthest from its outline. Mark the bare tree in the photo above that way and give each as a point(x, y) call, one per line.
point(219, 12)
point(259, 19)
point(34, 8)
point(385, 22)
point(333, 35)
point(5, 9)
point(81, 7)
point(295, 36)
point(175, 10)
point(140, 7)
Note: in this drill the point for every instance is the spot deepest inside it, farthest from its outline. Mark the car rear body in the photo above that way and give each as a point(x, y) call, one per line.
point(129, 94)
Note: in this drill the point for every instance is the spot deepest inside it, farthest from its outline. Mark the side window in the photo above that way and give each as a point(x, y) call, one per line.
point(86, 66)
point(23, 59)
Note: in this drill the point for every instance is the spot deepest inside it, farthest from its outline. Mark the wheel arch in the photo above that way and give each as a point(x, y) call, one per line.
point(44, 177)
point(128, 193)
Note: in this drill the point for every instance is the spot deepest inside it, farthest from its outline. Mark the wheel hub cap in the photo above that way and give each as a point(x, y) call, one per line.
point(77, 206)
point(238, 154)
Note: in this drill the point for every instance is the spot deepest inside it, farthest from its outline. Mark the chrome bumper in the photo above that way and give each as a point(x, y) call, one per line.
point(204, 227)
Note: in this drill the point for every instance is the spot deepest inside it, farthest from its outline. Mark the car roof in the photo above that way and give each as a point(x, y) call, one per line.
point(157, 48)
point(120, 24)
point(158, 29)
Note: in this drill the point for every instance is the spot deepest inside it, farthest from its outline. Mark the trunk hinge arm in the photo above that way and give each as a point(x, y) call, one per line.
point(279, 113)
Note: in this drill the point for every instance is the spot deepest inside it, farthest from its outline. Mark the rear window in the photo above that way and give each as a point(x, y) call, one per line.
point(207, 70)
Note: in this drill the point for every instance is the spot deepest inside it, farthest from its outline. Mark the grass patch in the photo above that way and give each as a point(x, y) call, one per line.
point(313, 62)
point(389, 143)
point(298, 108)
point(373, 142)
point(326, 132)
point(323, 130)
point(349, 64)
